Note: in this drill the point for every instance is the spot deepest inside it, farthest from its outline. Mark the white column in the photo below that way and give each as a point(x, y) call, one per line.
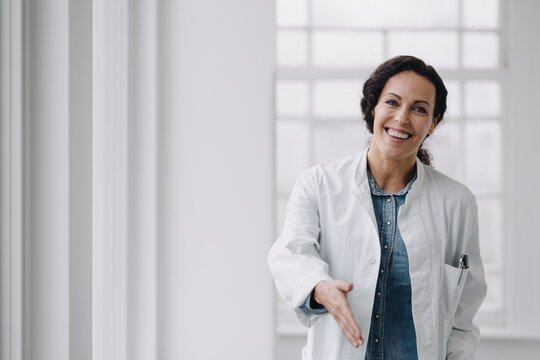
point(80, 179)
point(46, 180)
point(46, 172)
point(142, 217)
point(125, 170)
point(11, 180)
point(110, 178)
point(57, 170)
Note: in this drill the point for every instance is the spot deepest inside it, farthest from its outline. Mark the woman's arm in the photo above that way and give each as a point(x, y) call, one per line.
point(297, 267)
point(294, 259)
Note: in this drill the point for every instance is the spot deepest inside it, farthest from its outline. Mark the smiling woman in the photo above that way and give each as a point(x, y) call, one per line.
point(379, 254)
point(422, 81)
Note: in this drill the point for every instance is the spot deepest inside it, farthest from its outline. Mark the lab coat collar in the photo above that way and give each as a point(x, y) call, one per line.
point(362, 183)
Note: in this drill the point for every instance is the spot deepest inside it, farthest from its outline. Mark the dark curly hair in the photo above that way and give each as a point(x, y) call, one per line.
point(374, 85)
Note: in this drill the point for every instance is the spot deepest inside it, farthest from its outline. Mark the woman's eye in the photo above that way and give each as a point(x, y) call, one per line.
point(391, 102)
point(420, 109)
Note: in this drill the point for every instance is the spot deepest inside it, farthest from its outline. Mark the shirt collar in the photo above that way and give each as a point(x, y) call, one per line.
point(360, 178)
point(376, 190)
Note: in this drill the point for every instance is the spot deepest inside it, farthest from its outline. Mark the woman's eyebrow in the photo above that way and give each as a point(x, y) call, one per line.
point(422, 101)
point(416, 101)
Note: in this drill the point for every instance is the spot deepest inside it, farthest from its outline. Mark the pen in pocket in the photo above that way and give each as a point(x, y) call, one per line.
point(463, 264)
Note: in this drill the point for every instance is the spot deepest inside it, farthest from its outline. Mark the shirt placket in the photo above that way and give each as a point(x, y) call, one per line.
point(388, 206)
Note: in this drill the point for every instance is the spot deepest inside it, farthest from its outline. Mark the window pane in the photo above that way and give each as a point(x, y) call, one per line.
point(291, 12)
point(292, 98)
point(292, 153)
point(445, 146)
point(291, 47)
point(491, 229)
point(333, 142)
point(494, 295)
point(480, 50)
point(481, 13)
point(346, 48)
point(453, 100)
point(437, 48)
point(369, 13)
point(337, 98)
point(482, 98)
point(483, 159)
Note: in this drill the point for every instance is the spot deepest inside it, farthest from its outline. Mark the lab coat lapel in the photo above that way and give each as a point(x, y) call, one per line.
point(414, 234)
point(362, 191)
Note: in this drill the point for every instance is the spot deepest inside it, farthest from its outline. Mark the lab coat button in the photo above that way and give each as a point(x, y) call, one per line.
point(371, 259)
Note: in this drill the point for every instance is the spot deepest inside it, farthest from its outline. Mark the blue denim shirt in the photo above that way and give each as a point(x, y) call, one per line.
point(392, 334)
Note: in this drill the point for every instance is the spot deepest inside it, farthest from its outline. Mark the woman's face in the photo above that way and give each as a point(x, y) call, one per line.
point(403, 116)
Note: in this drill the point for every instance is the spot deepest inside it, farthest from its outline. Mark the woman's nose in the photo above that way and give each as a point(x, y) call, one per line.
point(402, 116)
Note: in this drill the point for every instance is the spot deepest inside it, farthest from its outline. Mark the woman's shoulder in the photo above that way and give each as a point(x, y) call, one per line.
point(443, 184)
point(341, 169)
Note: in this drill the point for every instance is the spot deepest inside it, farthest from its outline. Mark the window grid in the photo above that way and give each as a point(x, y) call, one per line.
point(491, 313)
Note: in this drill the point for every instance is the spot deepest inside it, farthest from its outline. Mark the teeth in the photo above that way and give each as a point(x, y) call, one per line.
point(398, 134)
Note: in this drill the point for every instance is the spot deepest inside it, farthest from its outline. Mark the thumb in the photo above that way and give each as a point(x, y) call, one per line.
point(344, 286)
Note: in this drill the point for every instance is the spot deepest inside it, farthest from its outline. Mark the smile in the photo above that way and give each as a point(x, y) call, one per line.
point(397, 134)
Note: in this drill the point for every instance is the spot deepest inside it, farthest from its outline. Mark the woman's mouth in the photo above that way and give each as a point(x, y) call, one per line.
point(397, 134)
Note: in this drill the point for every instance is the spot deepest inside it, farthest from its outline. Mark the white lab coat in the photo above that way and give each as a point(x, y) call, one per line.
point(330, 232)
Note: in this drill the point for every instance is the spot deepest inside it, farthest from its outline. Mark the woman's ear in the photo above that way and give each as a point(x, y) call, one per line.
point(433, 125)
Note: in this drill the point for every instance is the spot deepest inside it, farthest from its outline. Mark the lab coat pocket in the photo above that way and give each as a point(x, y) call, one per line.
point(451, 287)
point(452, 283)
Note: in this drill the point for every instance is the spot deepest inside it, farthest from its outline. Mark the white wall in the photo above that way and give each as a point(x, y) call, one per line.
point(215, 182)
point(137, 179)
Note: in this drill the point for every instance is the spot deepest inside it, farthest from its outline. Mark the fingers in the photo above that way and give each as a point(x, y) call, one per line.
point(343, 285)
point(333, 295)
point(350, 328)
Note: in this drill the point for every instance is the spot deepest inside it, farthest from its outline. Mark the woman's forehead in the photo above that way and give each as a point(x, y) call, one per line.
point(411, 85)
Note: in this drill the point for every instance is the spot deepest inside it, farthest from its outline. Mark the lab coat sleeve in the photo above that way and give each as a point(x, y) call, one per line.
point(307, 306)
point(464, 336)
point(294, 259)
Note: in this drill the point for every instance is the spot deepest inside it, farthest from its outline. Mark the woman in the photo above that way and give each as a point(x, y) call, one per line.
point(379, 254)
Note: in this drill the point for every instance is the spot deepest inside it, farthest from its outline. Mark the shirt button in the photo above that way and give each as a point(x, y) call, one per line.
point(376, 340)
point(388, 223)
point(382, 271)
point(379, 293)
point(388, 200)
point(386, 246)
point(377, 316)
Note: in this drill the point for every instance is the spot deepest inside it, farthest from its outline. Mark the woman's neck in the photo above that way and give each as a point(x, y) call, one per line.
point(390, 175)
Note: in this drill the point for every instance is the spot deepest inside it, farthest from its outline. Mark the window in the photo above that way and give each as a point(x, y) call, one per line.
point(325, 51)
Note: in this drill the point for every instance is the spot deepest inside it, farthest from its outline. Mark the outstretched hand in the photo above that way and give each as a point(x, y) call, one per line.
point(333, 295)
